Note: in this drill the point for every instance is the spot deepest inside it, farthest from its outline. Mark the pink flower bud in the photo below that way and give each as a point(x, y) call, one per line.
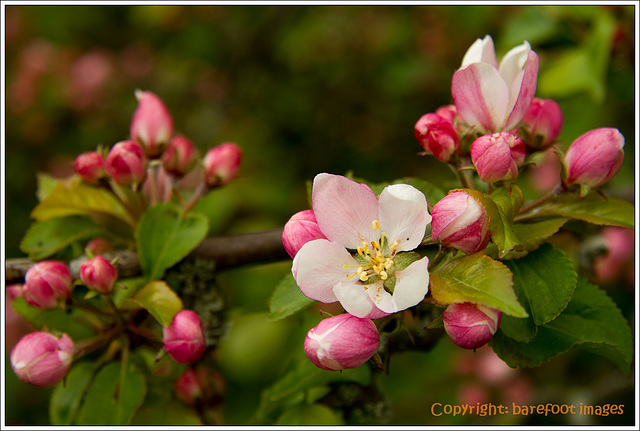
point(184, 338)
point(98, 274)
point(151, 125)
point(542, 123)
point(460, 221)
point(437, 136)
point(301, 228)
point(619, 257)
point(180, 157)
point(594, 158)
point(497, 156)
point(126, 163)
point(14, 291)
point(90, 166)
point(341, 342)
point(98, 246)
point(221, 164)
point(47, 283)
point(471, 325)
point(188, 386)
point(42, 359)
point(448, 112)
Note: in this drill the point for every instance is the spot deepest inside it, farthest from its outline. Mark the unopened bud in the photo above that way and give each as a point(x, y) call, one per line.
point(221, 164)
point(180, 157)
point(594, 158)
point(497, 156)
point(98, 274)
point(471, 326)
point(90, 166)
point(125, 163)
point(543, 123)
point(46, 284)
point(342, 342)
point(184, 338)
point(42, 359)
point(98, 246)
point(437, 136)
point(301, 228)
point(460, 221)
point(151, 125)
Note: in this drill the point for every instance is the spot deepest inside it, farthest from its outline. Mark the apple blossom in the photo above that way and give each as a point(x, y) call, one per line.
point(352, 217)
point(184, 338)
point(221, 164)
point(125, 163)
point(542, 124)
point(594, 158)
point(437, 136)
point(340, 342)
point(151, 125)
point(98, 274)
point(471, 325)
point(497, 156)
point(90, 166)
point(491, 97)
point(42, 359)
point(46, 284)
point(301, 228)
point(460, 221)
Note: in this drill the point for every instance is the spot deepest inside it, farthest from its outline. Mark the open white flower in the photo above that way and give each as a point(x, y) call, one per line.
point(352, 217)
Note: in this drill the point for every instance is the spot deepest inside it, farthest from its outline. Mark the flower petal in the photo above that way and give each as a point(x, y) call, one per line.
point(482, 50)
point(526, 93)
point(412, 284)
point(344, 209)
point(318, 266)
point(513, 62)
point(353, 298)
point(481, 96)
point(404, 215)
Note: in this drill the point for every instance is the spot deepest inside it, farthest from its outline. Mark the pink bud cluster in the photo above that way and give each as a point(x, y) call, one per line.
point(153, 142)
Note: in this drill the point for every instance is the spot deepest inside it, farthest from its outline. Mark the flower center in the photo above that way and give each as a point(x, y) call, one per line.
point(376, 257)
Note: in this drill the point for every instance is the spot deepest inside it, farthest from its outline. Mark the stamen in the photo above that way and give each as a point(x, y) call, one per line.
point(375, 225)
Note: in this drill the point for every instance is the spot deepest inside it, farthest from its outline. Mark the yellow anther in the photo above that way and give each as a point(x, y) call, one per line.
point(375, 225)
point(383, 275)
point(364, 276)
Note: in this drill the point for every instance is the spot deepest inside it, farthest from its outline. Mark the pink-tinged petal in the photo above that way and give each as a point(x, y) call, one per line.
point(353, 298)
point(493, 161)
point(403, 215)
point(344, 209)
point(481, 96)
point(443, 215)
point(513, 62)
point(318, 266)
point(526, 93)
point(481, 51)
point(412, 284)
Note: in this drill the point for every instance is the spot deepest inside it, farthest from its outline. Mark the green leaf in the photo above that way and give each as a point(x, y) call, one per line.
point(478, 279)
point(67, 395)
point(532, 235)
point(46, 184)
point(287, 299)
point(124, 289)
point(165, 236)
point(591, 321)
point(594, 208)
point(76, 323)
point(73, 197)
point(165, 415)
point(508, 201)
point(45, 238)
point(502, 233)
point(309, 415)
point(544, 281)
point(301, 377)
point(114, 395)
point(159, 300)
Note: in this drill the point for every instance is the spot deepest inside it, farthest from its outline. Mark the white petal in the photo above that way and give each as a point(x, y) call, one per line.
point(482, 50)
point(403, 215)
point(318, 266)
point(381, 298)
point(344, 209)
point(353, 298)
point(512, 63)
point(412, 284)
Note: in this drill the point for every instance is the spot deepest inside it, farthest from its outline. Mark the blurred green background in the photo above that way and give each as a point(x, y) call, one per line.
point(303, 90)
